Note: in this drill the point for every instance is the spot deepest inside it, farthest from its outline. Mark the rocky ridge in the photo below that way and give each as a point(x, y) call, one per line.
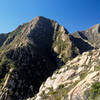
point(91, 35)
point(43, 52)
point(73, 80)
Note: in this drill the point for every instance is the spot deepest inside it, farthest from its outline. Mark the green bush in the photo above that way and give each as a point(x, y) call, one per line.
point(83, 75)
point(57, 94)
point(97, 68)
point(94, 92)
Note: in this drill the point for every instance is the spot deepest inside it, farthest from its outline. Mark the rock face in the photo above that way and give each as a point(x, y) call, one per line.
point(92, 35)
point(34, 51)
point(74, 80)
point(3, 37)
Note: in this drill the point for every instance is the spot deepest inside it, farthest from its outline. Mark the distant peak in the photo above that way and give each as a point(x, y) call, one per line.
point(96, 28)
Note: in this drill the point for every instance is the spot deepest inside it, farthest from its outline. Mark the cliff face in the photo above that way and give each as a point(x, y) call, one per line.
point(78, 79)
point(30, 54)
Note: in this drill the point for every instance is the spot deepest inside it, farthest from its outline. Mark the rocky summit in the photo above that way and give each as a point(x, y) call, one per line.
point(91, 35)
point(41, 60)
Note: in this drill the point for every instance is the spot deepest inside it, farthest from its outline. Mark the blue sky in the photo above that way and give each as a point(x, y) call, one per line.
point(73, 14)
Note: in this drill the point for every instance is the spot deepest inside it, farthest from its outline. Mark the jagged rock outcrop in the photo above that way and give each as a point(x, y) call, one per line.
point(79, 78)
point(74, 80)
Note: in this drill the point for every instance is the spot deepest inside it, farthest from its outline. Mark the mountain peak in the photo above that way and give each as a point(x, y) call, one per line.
point(92, 35)
point(31, 53)
point(38, 18)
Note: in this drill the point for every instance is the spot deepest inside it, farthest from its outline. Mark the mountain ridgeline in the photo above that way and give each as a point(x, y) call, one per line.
point(34, 51)
point(91, 35)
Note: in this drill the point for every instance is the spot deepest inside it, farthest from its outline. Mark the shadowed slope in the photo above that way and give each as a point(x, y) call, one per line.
point(34, 51)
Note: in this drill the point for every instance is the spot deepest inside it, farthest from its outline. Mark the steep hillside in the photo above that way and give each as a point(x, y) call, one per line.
point(30, 54)
point(78, 79)
point(3, 37)
point(92, 35)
